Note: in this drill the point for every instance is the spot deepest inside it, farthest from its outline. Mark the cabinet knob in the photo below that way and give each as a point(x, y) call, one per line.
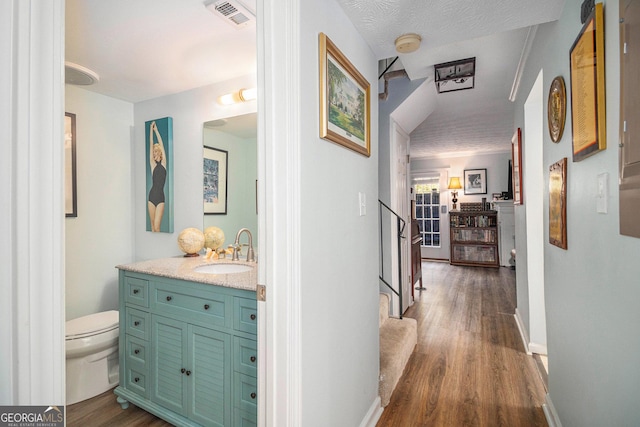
point(136, 351)
point(136, 323)
point(188, 373)
point(253, 317)
point(169, 298)
point(253, 395)
point(136, 379)
point(136, 291)
point(183, 370)
point(206, 306)
point(253, 359)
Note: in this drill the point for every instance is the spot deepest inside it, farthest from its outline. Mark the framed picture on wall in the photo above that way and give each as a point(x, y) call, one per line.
point(159, 160)
point(475, 181)
point(516, 153)
point(70, 186)
point(344, 100)
point(214, 191)
point(558, 203)
point(588, 121)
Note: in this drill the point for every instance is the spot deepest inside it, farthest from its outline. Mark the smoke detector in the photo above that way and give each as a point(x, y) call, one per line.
point(408, 43)
point(232, 12)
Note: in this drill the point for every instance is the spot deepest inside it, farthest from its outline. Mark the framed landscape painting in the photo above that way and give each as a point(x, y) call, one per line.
point(344, 100)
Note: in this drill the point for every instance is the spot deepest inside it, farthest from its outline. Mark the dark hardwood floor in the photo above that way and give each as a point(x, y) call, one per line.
point(104, 411)
point(469, 367)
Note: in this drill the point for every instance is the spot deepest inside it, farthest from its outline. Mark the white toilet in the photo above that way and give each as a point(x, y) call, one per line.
point(92, 355)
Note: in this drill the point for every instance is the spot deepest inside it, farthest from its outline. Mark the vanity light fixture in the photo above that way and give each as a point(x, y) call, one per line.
point(243, 95)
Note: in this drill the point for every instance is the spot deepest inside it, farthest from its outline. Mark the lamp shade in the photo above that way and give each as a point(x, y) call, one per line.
point(454, 183)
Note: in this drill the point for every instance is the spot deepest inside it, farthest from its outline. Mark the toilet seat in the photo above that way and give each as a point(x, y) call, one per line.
point(92, 324)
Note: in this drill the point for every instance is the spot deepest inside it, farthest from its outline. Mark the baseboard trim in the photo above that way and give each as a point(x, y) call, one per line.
point(550, 412)
point(373, 414)
point(523, 332)
point(538, 348)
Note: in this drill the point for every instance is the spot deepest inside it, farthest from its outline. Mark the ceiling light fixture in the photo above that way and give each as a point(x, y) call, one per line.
point(455, 75)
point(75, 74)
point(408, 43)
point(243, 95)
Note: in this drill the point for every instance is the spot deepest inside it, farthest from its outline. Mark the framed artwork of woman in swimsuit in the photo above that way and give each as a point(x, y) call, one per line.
point(159, 159)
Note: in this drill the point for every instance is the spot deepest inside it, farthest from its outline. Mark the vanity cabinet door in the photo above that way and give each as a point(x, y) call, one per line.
point(210, 382)
point(169, 370)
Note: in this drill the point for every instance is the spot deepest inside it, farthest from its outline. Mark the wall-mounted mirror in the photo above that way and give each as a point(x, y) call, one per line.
point(237, 136)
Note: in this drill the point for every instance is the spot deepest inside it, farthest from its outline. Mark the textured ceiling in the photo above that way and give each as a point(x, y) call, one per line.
point(495, 32)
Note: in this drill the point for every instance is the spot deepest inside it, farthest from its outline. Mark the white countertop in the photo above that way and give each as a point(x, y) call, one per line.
point(183, 268)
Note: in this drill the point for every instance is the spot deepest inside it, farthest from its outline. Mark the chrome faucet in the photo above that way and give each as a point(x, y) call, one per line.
point(236, 246)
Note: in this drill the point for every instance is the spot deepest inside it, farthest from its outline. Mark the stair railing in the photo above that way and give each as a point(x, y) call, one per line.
point(400, 227)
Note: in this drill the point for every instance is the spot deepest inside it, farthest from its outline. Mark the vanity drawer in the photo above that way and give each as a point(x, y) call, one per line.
point(137, 323)
point(246, 393)
point(137, 352)
point(210, 308)
point(246, 315)
point(136, 381)
point(136, 291)
point(245, 356)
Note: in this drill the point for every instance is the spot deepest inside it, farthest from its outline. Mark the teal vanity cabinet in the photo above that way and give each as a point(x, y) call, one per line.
point(188, 350)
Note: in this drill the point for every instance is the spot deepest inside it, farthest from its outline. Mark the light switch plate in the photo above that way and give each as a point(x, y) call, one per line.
point(362, 202)
point(602, 193)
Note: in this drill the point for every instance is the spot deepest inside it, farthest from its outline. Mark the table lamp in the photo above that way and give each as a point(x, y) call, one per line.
point(454, 184)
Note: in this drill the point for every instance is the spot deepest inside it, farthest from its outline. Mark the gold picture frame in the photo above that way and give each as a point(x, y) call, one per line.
point(344, 100)
point(516, 161)
point(558, 203)
point(588, 88)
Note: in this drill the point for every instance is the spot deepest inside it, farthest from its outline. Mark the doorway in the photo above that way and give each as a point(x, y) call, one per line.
point(400, 204)
point(534, 180)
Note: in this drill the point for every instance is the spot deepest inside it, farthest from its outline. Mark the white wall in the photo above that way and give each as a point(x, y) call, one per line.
point(496, 164)
point(591, 289)
point(241, 186)
point(99, 238)
point(339, 248)
point(189, 111)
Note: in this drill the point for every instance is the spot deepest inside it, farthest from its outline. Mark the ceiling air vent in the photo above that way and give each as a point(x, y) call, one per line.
point(232, 12)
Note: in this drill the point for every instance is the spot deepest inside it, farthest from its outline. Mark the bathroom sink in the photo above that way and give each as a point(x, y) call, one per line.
point(223, 268)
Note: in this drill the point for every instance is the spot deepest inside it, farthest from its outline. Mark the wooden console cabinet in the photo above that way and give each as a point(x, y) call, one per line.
point(474, 238)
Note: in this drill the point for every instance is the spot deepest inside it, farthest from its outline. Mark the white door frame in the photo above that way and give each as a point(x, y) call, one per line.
point(399, 143)
point(534, 180)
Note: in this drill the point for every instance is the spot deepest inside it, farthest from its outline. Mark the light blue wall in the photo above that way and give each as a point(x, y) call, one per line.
point(99, 238)
point(241, 185)
point(189, 111)
point(592, 288)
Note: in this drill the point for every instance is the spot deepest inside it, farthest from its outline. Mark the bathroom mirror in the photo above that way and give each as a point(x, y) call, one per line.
point(237, 136)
